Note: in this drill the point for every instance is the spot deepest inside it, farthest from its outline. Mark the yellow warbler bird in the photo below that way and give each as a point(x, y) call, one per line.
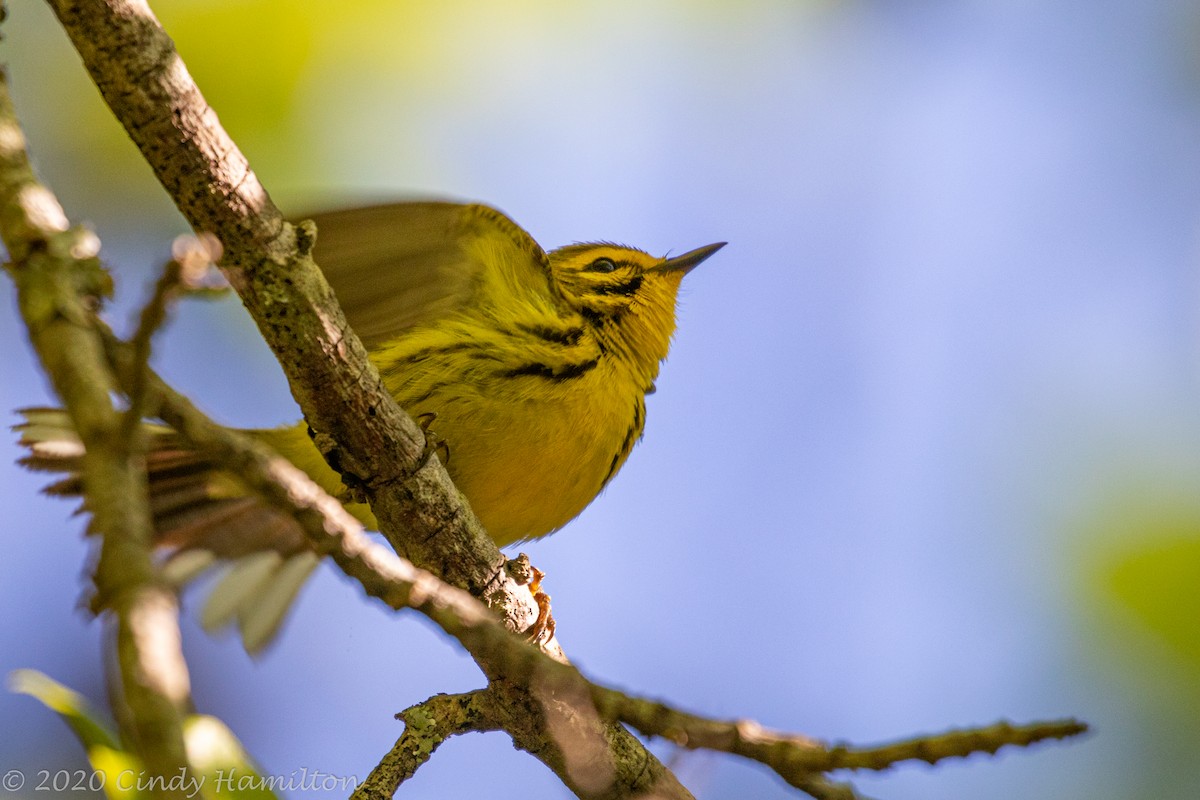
point(532, 368)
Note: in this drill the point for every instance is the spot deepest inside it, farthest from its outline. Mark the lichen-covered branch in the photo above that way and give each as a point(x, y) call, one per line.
point(426, 726)
point(58, 279)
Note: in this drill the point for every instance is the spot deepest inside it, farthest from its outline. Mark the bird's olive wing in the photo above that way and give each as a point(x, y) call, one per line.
point(398, 266)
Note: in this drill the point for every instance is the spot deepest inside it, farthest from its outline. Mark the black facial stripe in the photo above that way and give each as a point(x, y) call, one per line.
point(625, 289)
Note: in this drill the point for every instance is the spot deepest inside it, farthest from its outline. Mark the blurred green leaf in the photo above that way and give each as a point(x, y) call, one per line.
point(216, 754)
point(119, 768)
point(98, 740)
point(221, 766)
point(71, 706)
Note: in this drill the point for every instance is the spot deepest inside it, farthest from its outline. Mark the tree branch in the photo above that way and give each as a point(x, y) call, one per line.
point(426, 726)
point(363, 432)
point(59, 280)
point(547, 707)
point(374, 444)
point(799, 760)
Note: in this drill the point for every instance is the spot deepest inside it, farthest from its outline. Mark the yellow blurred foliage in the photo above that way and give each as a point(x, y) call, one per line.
point(1140, 558)
point(1159, 581)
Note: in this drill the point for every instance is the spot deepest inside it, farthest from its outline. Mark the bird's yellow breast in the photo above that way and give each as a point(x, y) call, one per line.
point(534, 428)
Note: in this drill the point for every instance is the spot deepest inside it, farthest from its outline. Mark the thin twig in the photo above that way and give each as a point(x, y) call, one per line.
point(154, 314)
point(819, 787)
point(191, 256)
point(798, 758)
point(957, 743)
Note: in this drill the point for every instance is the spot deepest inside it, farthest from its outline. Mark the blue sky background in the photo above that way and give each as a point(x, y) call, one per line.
point(941, 385)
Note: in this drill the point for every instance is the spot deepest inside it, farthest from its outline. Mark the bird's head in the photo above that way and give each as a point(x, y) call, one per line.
point(626, 294)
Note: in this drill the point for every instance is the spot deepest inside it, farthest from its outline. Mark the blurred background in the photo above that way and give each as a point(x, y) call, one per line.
point(927, 449)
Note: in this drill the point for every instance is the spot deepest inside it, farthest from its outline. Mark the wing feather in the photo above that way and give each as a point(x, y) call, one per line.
point(402, 265)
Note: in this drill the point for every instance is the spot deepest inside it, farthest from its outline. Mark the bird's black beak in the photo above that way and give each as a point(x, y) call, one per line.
point(690, 260)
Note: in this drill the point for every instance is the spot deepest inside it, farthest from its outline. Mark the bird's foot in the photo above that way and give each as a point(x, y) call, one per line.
point(525, 574)
point(542, 629)
point(433, 442)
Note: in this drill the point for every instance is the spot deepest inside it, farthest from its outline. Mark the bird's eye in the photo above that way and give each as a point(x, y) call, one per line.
point(602, 265)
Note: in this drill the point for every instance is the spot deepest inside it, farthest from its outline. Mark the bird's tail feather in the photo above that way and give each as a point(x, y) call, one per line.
point(203, 518)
